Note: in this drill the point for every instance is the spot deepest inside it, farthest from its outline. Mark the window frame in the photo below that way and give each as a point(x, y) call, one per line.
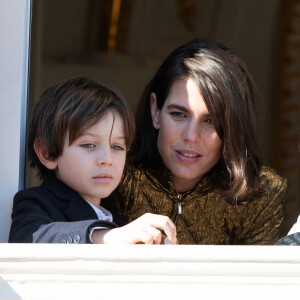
point(15, 21)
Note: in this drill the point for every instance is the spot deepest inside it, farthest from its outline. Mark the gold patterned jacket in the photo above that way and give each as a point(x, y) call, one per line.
point(201, 215)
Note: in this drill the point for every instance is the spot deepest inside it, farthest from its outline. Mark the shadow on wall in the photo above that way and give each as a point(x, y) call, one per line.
point(6, 291)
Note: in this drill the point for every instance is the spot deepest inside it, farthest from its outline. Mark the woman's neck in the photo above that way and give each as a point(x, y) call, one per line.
point(183, 185)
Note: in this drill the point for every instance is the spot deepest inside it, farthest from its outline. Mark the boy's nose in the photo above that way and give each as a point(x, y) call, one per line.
point(104, 157)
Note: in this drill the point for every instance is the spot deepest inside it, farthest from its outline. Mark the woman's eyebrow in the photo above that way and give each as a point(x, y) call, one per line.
point(179, 107)
point(207, 115)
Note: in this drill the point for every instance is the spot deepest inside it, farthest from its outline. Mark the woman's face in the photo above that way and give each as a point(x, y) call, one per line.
point(187, 140)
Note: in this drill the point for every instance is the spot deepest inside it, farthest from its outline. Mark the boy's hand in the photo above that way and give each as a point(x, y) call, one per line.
point(146, 229)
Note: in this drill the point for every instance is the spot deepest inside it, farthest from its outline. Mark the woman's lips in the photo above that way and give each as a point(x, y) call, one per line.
point(103, 178)
point(188, 156)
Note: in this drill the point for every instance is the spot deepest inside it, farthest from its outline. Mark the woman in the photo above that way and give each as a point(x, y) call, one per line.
point(195, 156)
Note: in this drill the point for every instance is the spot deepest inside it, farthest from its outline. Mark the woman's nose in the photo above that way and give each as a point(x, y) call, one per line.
point(191, 132)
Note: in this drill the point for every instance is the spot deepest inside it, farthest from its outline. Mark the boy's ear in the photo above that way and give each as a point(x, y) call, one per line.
point(155, 111)
point(43, 155)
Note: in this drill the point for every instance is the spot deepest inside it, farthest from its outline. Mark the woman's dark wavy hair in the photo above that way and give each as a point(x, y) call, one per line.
point(229, 93)
point(71, 108)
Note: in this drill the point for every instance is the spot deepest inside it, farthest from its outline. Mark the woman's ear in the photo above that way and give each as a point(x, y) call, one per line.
point(43, 155)
point(155, 111)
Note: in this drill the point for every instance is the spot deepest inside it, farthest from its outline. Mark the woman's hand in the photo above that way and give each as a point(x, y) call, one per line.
point(146, 229)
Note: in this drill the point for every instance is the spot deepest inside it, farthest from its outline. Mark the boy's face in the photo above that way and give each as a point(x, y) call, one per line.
point(93, 164)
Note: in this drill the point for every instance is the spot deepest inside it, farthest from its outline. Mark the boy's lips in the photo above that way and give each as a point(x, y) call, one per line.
point(103, 178)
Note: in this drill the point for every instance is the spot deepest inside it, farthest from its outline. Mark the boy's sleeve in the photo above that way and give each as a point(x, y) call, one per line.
point(68, 232)
point(31, 223)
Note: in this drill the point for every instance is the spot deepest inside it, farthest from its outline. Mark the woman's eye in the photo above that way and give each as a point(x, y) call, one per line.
point(209, 121)
point(177, 114)
point(118, 148)
point(88, 146)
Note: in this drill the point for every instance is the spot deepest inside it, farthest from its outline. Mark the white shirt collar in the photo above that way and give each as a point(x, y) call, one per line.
point(102, 213)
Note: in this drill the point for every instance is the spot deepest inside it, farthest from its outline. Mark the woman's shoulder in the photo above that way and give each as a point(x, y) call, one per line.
point(269, 176)
point(131, 175)
point(131, 170)
point(136, 176)
point(271, 182)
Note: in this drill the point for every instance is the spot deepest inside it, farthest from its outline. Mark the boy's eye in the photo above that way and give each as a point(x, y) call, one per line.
point(177, 114)
point(88, 146)
point(118, 147)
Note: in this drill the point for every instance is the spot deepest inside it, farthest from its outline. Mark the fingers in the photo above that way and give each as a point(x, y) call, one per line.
point(145, 238)
point(154, 234)
point(128, 235)
point(146, 229)
point(170, 231)
point(161, 222)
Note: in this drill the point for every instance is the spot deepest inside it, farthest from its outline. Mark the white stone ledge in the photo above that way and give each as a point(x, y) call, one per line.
point(49, 271)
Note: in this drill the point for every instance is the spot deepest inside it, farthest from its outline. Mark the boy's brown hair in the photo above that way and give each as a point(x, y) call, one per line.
point(72, 107)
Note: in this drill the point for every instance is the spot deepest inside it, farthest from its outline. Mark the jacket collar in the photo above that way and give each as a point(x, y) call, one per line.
point(77, 209)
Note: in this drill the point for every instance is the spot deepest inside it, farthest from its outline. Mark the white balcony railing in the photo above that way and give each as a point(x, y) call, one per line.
point(51, 271)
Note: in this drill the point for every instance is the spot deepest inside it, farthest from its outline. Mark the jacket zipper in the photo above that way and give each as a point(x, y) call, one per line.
point(179, 197)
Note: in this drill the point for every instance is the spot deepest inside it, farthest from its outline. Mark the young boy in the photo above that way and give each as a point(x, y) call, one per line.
point(79, 135)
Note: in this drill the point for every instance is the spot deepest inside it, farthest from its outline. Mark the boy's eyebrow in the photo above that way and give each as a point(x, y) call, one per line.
point(96, 135)
point(88, 133)
point(121, 137)
point(179, 107)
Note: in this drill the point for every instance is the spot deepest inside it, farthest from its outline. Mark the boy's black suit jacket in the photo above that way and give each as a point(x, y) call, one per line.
point(52, 213)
